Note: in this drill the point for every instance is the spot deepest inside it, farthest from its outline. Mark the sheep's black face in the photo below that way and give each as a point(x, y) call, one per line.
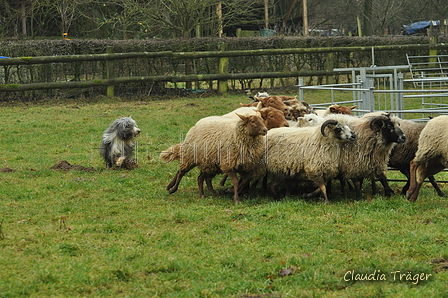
point(392, 133)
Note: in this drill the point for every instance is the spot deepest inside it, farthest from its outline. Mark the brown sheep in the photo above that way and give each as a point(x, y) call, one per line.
point(336, 109)
point(266, 102)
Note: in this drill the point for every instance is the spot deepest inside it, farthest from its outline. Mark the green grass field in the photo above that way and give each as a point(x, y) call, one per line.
point(118, 233)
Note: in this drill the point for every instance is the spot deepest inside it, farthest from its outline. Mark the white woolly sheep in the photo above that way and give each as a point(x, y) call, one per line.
point(228, 146)
point(431, 156)
point(377, 133)
point(308, 153)
point(309, 120)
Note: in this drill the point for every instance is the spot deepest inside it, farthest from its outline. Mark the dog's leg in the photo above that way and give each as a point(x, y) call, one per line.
point(120, 160)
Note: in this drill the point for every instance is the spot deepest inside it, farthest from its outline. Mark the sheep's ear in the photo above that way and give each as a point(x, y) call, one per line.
point(332, 109)
point(263, 113)
point(264, 99)
point(244, 118)
point(352, 107)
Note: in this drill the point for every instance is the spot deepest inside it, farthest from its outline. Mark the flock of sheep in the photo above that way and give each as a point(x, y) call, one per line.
point(285, 143)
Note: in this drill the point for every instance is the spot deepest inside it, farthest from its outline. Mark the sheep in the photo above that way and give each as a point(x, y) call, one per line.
point(298, 109)
point(377, 134)
point(228, 146)
point(310, 153)
point(431, 156)
point(336, 109)
point(259, 94)
point(272, 117)
point(271, 101)
point(309, 120)
point(402, 155)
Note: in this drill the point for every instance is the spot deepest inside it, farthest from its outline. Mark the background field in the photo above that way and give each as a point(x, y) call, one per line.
point(118, 233)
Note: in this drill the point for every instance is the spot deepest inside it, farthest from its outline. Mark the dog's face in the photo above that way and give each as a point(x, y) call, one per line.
point(127, 128)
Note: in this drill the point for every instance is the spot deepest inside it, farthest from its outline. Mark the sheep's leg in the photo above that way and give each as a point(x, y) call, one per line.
point(312, 194)
point(434, 166)
point(235, 187)
point(388, 191)
point(208, 181)
point(265, 182)
point(244, 183)
point(201, 179)
point(357, 184)
point(179, 176)
point(223, 180)
point(272, 189)
point(374, 188)
point(173, 181)
point(329, 187)
point(323, 189)
point(436, 186)
point(414, 187)
point(255, 183)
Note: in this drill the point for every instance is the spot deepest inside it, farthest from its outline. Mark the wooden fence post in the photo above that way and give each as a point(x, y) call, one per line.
point(433, 52)
point(223, 68)
point(329, 63)
point(110, 73)
point(188, 67)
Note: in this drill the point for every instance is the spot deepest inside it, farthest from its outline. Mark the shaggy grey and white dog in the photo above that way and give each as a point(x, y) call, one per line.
point(118, 141)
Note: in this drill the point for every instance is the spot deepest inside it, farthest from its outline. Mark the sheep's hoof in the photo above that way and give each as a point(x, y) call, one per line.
point(389, 192)
point(441, 194)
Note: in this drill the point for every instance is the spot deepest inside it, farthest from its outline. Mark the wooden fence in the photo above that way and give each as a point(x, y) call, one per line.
point(222, 75)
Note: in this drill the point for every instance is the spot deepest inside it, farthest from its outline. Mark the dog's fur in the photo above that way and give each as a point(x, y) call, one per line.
point(118, 141)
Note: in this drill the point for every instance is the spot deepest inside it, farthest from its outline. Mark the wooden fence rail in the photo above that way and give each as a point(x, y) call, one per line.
point(108, 81)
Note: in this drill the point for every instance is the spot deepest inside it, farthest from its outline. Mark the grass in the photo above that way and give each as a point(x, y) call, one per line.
point(118, 233)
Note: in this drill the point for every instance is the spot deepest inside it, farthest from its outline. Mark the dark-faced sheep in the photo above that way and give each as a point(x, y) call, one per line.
point(431, 156)
point(367, 158)
point(403, 154)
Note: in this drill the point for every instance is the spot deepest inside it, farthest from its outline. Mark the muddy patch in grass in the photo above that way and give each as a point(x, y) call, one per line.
point(66, 166)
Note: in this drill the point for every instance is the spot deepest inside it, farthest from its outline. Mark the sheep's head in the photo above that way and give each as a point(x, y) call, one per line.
point(389, 129)
point(337, 109)
point(254, 124)
point(273, 102)
point(273, 118)
point(297, 111)
point(342, 132)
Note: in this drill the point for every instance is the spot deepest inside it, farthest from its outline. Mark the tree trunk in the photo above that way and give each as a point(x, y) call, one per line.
point(368, 15)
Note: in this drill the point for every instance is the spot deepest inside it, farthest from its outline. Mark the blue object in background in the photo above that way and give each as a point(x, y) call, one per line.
point(416, 27)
